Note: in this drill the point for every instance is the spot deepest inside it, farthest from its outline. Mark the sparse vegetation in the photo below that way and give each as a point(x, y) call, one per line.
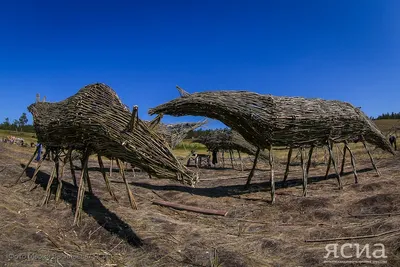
point(189, 145)
point(214, 260)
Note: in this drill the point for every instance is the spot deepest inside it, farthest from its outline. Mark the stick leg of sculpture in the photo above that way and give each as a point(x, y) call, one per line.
point(303, 169)
point(49, 184)
point(241, 161)
point(309, 159)
point(223, 158)
point(130, 195)
point(353, 162)
point(106, 178)
point(334, 164)
point(252, 169)
point(71, 166)
point(231, 156)
point(272, 181)
point(111, 167)
point(343, 160)
point(370, 156)
point(89, 184)
point(38, 165)
point(329, 164)
point(81, 189)
point(59, 176)
point(64, 162)
point(27, 165)
point(285, 176)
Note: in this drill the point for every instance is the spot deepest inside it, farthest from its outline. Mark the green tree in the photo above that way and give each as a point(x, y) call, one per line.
point(15, 125)
point(6, 124)
point(23, 120)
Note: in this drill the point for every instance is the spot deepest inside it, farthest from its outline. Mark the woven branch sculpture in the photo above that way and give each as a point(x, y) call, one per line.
point(173, 134)
point(94, 121)
point(228, 140)
point(96, 118)
point(267, 121)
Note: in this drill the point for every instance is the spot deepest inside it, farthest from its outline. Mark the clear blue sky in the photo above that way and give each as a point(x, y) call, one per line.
point(332, 49)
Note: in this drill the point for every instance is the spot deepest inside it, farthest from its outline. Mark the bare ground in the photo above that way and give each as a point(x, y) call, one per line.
point(254, 233)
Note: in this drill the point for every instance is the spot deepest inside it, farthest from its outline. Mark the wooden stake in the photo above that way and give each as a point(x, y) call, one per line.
point(271, 165)
point(86, 177)
point(59, 177)
point(105, 178)
point(231, 156)
point(223, 158)
point(48, 188)
point(153, 123)
point(130, 195)
point(287, 165)
point(344, 159)
point(353, 162)
point(111, 167)
point(27, 165)
point(71, 166)
point(89, 183)
point(134, 119)
point(337, 153)
point(241, 161)
point(190, 208)
point(81, 188)
point(329, 165)
point(38, 165)
point(253, 168)
point(370, 156)
point(64, 162)
point(182, 92)
point(304, 170)
point(309, 159)
point(334, 164)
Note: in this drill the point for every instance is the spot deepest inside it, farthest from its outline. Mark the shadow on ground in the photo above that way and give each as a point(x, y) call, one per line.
point(92, 206)
point(230, 190)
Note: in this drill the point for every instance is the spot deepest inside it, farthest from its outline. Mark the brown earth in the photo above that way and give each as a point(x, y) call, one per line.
point(254, 233)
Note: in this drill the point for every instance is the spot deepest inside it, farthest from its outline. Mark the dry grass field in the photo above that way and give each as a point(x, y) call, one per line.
point(386, 125)
point(254, 232)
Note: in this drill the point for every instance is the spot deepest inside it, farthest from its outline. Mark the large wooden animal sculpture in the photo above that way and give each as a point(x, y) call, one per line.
point(267, 121)
point(94, 121)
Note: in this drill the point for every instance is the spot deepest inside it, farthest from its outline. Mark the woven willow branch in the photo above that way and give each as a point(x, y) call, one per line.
point(266, 120)
point(96, 118)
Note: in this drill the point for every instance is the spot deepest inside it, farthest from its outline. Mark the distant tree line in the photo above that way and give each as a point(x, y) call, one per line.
point(17, 125)
point(388, 115)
